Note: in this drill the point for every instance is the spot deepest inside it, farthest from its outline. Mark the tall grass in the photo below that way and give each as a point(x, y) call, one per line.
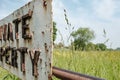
point(5, 75)
point(104, 64)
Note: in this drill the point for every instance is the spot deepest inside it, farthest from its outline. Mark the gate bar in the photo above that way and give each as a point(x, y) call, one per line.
point(69, 75)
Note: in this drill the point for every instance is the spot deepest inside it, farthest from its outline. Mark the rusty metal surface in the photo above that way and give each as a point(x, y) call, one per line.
point(26, 41)
point(69, 75)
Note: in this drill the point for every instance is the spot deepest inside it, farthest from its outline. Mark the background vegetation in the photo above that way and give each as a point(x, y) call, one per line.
point(102, 64)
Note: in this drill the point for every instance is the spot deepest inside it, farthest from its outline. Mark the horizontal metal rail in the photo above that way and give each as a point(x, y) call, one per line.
point(69, 75)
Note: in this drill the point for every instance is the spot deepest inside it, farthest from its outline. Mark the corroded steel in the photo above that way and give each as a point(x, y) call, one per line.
point(26, 41)
point(69, 75)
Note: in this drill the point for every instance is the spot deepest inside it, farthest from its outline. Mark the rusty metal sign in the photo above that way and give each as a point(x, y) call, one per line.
point(26, 41)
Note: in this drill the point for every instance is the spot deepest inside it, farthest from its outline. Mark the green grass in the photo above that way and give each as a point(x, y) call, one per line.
point(104, 64)
point(5, 75)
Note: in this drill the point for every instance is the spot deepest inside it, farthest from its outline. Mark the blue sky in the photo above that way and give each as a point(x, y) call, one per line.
point(95, 14)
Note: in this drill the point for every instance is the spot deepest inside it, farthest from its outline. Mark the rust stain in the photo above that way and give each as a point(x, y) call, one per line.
point(46, 64)
point(18, 14)
point(45, 4)
point(10, 32)
point(43, 33)
point(29, 3)
point(5, 33)
point(16, 35)
point(1, 54)
point(46, 48)
point(49, 77)
point(34, 55)
point(30, 12)
point(50, 65)
point(51, 30)
point(1, 32)
point(40, 61)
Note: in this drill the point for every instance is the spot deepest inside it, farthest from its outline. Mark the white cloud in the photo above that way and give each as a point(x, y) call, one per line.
point(104, 8)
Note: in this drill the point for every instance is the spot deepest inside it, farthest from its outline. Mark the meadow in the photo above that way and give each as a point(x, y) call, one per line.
point(102, 64)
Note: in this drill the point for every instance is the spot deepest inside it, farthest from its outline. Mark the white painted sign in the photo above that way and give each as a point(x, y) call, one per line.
point(26, 41)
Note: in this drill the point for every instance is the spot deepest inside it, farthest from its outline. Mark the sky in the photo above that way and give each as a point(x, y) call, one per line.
point(98, 15)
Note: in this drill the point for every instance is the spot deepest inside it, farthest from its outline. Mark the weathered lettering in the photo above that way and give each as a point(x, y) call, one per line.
point(7, 55)
point(1, 53)
point(22, 50)
point(25, 27)
point(1, 33)
point(10, 32)
point(16, 23)
point(34, 55)
point(14, 57)
point(5, 33)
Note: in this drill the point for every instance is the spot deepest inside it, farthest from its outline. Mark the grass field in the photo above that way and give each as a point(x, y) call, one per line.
point(3, 73)
point(104, 64)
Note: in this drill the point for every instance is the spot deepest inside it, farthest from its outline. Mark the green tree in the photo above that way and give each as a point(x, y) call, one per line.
point(54, 31)
point(90, 46)
point(101, 47)
point(81, 37)
point(118, 49)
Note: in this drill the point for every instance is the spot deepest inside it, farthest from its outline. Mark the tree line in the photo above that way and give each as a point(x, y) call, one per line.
point(81, 40)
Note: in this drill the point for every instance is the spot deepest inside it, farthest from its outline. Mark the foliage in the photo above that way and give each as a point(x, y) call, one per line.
point(101, 47)
point(90, 47)
point(102, 64)
point(59, 45)
point(118, 49)
point(5, 75)
point(54, 31)
point(81, 37)
point(10, 76)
